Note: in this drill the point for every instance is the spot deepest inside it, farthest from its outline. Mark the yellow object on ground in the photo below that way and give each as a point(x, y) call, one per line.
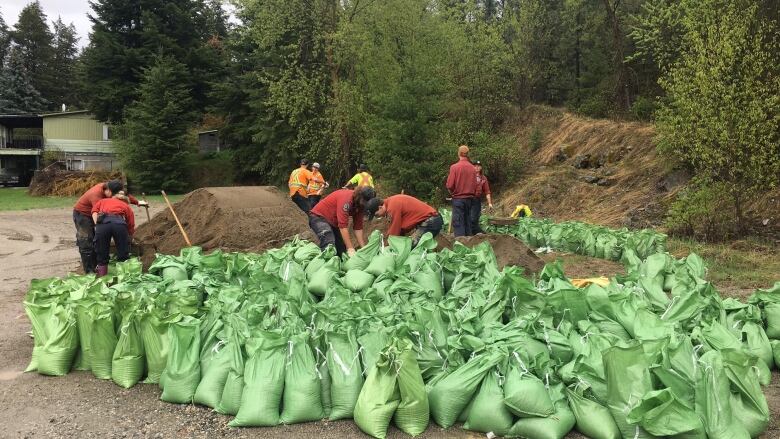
point(582, 283)
point(522, 211)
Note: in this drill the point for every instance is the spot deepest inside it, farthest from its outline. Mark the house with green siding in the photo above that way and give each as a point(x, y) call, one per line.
point(78, 141)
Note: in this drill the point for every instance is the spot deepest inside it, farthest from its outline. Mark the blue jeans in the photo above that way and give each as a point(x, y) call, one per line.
point(476, 212)
point(461, 216)
point(327, 234)
point(432, 225)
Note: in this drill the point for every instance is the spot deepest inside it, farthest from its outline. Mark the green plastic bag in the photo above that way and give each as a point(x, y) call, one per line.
point(363, 256)
point(713, 400)
point(154, 335)
point(322, 278)
point(593, 419)
point(449, 396)
point(59, 349)
point(127, 366)
point(555, 426)
point(40, 315)
point(102, 340)
point(488, 412)
point(302, 401)
point(263, 382)
point(232, 391)
point(661, 414)
point(429, 277)
point(325, 387)
point(627, 371)
point(212, 383)
point(413, 412)
point(776, 350)
point(379, 397)
point(772, 312)
point(748, 401)
point(757, 343)
point(372, 343)
point(182, 371)
point(357, 280)
point(346, 374)
point(381, 264)
point(84, 324)
point(526, 395)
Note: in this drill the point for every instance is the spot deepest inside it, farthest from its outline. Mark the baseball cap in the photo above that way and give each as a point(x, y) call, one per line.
point(477, 163)
point(315, 165)
point(362, 167)
point(372, 206)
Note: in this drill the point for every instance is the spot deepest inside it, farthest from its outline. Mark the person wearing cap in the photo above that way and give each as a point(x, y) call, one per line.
point(361, 179)
point(113, 219)
point(483, 188)
point(329, 220)
point(462, 185)
point(317, 185)
point(298, 184)
point(407, 214)
point(85, 226)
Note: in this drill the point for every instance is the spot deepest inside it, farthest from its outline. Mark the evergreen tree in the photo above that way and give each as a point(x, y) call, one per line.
point(155, 152)
point(5, 39)
point(66, 88)
point(34, 40)
point(17, 94)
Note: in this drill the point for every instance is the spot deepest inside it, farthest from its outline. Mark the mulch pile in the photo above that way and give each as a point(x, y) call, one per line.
point(246, 219)
point(61, 183)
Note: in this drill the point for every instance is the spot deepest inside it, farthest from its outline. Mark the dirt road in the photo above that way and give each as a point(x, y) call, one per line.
point(41, 243)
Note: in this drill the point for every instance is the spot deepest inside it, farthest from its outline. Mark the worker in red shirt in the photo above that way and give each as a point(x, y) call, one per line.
point(483, 188)
point(407, 214)
point(114, 219)
point(330, 218)
point(462, 185)
point(85, 226)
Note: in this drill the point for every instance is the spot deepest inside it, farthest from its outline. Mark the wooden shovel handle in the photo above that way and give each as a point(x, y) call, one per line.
point(178, 223)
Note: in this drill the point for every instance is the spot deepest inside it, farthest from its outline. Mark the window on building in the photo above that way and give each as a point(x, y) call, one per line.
point(77, 165)
point(106, 132)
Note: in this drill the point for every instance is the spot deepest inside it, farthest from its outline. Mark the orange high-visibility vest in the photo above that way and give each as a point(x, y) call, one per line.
point(316, 183)
point(299, 181)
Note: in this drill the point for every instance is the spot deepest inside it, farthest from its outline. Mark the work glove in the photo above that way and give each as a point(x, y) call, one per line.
point(143, 204)
point(351, 252)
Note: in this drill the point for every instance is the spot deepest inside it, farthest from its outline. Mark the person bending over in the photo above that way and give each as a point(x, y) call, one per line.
point(113, 219)
point(330, 218)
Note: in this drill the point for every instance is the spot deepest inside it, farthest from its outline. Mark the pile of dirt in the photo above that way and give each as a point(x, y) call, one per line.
point(62, 183)
point(508, 249)
point(247, 219)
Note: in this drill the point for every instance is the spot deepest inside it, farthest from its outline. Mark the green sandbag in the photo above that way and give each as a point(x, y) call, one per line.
point(453, 393)
point(232, 391)
point(174, 272)
point(555, 426)
point(321, 279)
point(593, 419)
point(364, 255)
point(302, 401)
point(346, 374)
point(154, 335)
point(379, 396)
point(40, 315)
point(127, 366)
point(748, 401)
point(212, 384)
point(56, 356)
point(381, 264)
point(325, 388)
point(182, 371)
point(263, 382)
point(103, 342)
point(661, 414)
point(413, 413)
point(525, 395)
point(772, 312)
point(357, 280)
point(428, 276)
point(757, 343)
point(84, 324)
point(776, 351)
point(627, 371)
point(713, 400)
point(488, 412)
point(372, 344)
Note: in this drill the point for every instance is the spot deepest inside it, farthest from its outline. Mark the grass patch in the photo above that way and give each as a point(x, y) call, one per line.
point(18, 199)
point(744, 264)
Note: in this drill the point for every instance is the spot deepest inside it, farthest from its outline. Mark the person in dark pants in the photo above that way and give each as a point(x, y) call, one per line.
point(329, 220)
point(462, 185)
point(114, 219)
point(407, 214)
point(317, 185)
point(483, 188)
point(298, 184)
point(85, 227)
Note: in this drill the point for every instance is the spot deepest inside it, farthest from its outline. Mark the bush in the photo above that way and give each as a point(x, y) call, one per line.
point(644, 108)
point(701, 211)
point(535, 139)
point(213, 169)
point(498, 154)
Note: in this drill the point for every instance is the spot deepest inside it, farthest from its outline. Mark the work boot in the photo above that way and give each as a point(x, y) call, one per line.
point(102, 270)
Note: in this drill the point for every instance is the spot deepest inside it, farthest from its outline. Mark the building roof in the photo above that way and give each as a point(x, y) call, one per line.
point(60, 113)
point(21, 120)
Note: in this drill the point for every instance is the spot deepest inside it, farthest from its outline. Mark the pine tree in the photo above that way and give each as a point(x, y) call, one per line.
point(17, 94)
point(5, 39)
point(156, 153)
point(66, 88)
point(34, 40)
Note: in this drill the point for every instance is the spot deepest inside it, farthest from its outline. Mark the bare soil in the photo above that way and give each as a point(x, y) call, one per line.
point(41, 243)
point(508, 250)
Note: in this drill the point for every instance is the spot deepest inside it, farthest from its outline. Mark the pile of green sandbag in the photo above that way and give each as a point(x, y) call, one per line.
point(582, 238)
point(401, 335)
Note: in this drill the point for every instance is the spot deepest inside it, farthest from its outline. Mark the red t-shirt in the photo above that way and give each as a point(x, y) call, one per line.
point(337, 207)
point(462, 181)
point(483, 188)
point(405, 213)
point(112, 206)
point(92, 196)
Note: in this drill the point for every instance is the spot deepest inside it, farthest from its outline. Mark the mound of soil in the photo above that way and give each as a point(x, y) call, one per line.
point(248, 219)
point(61, 183)
point(508, 249)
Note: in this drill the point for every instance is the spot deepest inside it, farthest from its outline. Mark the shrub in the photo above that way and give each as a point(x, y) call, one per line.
point(701, 211)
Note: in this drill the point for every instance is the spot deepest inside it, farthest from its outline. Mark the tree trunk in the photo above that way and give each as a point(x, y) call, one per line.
point(335, 80)
point(622, 97)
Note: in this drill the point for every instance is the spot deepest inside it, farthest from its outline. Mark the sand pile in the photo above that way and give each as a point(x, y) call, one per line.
point(249, 219)
point(508, 249)
point(61, 183)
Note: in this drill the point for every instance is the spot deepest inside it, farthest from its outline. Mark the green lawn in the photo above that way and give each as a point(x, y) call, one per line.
point(19, 199)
